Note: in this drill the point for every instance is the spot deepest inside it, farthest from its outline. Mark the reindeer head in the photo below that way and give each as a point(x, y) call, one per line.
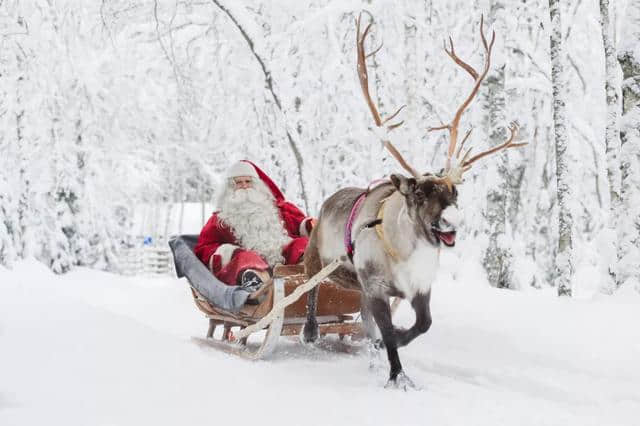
point(431, 206)
point(430, 199)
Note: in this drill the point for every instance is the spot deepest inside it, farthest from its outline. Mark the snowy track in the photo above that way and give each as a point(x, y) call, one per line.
point(96, 349)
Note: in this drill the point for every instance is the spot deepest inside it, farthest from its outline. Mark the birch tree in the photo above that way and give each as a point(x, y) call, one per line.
point(8, 220)
point(564, 256)
point(7, 225)
point(612, 142)
point(497, 257)
point(629, 222)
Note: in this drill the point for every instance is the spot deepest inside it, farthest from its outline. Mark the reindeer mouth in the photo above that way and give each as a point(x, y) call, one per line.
point(447, 238)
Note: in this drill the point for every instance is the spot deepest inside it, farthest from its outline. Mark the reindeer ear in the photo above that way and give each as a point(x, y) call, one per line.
point(403, 184)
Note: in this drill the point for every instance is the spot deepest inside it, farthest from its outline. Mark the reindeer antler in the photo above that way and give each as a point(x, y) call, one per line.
point(363, 76)
point(513, 129)
point(453, 173)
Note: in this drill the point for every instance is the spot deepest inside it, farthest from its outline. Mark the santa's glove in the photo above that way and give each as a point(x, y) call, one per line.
point(225, 251)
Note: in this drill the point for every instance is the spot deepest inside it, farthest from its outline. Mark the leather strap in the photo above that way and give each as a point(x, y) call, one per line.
point(380, 231)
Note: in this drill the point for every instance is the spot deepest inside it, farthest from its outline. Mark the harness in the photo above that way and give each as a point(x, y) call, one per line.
point(377, 223)
point(387, 247)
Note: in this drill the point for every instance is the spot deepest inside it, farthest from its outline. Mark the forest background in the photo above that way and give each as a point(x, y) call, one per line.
point(107, 106)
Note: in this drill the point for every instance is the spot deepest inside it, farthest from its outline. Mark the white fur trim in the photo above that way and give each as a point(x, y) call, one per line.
point(225, 251)
point(303, 227)
point(242, 168)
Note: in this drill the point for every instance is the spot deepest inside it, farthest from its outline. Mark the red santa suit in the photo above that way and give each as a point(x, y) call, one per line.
point(222, 250)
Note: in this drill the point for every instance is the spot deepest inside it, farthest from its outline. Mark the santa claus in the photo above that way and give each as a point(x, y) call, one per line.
point(254, 229)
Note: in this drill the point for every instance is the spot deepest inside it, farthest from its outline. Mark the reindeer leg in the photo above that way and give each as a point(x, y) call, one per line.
point(369, 324)
point(420, 304)
point(373, 336)
point(310, 330)
point(382, 314)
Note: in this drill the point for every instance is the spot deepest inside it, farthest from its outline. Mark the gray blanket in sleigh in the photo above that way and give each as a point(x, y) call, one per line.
point(229, 298)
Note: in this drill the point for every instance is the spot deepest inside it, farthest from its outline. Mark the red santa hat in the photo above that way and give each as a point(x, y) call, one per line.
point(247, 168)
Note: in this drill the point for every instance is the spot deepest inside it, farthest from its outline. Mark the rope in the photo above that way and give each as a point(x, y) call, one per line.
point(278, 308)
point(387, 247)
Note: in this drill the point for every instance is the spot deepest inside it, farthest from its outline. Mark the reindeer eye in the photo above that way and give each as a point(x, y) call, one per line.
point(419, 196)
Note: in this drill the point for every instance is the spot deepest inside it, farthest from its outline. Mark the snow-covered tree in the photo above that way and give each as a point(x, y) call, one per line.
point(612, 142)
point(108, 108)
point(564, 257)
point(497, 259)
point(629, 222)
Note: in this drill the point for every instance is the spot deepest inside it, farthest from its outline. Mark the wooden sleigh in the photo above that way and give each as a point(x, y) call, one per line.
point(253, 331)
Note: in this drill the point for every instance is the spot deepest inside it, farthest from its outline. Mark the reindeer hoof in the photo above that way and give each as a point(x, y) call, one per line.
point(310, 333)
point(401, 381)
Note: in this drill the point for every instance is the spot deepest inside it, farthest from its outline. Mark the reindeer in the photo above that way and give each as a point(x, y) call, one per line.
point(393, 233)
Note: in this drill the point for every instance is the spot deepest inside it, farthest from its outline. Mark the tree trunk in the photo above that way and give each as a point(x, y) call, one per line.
point(7, 249)
point(564, 257)
point(25, 184)
point(497, 257)
point(612, 144)
point(629, 223)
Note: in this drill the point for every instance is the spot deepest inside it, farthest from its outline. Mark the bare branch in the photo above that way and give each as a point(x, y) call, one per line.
point(269, 82)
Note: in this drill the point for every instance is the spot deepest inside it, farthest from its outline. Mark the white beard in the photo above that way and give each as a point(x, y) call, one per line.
point(255, 221)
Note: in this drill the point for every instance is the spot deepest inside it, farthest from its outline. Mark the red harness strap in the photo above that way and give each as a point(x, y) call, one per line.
point(347, 228)
point(348, 243)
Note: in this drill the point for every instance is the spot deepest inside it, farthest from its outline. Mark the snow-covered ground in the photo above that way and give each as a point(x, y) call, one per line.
point(91, 348)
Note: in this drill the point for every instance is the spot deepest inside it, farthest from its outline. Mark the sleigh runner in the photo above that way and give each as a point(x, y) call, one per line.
point(280, 308)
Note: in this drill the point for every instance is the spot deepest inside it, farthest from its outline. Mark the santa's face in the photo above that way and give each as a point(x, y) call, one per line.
point(245, 193)
point(243, 182)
